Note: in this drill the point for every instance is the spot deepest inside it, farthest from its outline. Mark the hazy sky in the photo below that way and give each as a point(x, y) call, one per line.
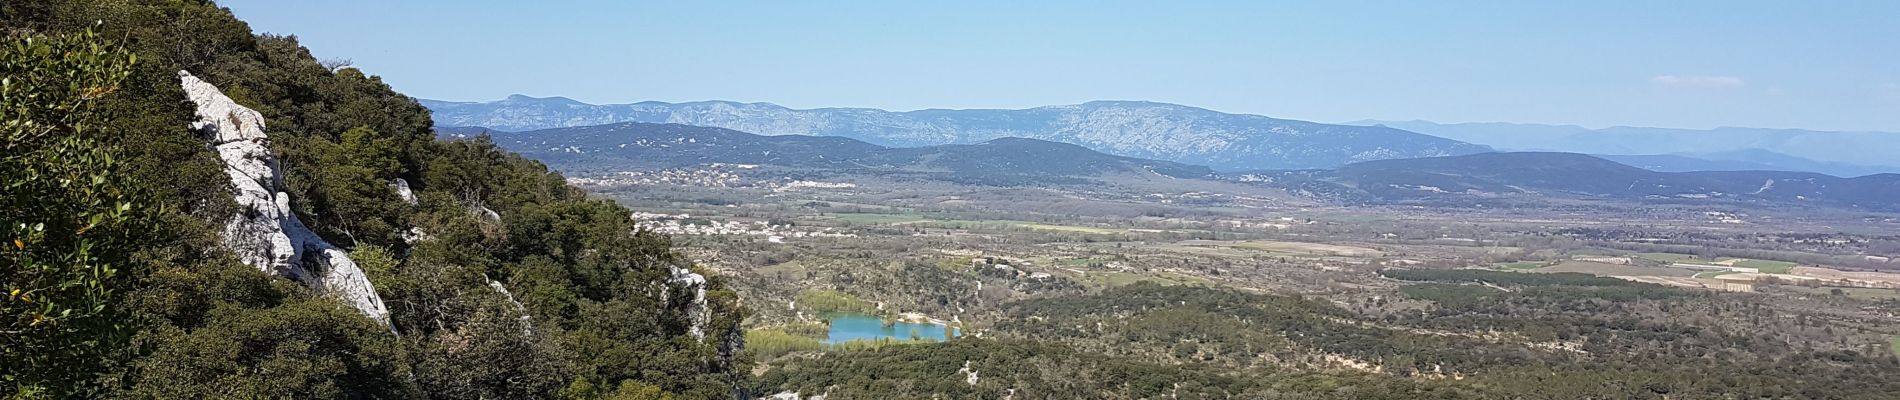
point(1691, 64)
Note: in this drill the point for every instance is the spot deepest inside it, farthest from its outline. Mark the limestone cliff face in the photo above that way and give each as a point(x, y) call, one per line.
point(266, 234)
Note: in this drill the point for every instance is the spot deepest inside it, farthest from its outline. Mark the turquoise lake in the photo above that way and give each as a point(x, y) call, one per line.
point(847, 327)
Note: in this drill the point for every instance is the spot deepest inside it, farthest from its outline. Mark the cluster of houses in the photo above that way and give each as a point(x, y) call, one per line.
point(714, 175)
point(684, 177)
point(685, 224)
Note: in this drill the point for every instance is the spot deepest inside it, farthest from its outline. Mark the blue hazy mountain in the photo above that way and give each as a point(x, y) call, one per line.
point(1835, 153)
point(1487, 177)
point(1148, 130)
point(630, 145)
point(1745, 160)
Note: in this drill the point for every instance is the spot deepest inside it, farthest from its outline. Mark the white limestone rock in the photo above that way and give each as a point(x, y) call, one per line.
point(266, 234)
point(486, 214)
point(795, 396)
point(698, 312)
point(969, 374)
point(527, 322)
point(402, 190)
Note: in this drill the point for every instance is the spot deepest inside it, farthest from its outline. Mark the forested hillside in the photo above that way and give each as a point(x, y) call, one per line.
point(619, 146)
point(500, 280)
point(190, 209)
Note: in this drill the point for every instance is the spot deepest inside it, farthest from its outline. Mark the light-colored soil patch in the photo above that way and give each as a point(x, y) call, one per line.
point(1854, 292)
point(1604, 259)
point(1520, 266)
point(1072, 228)
point(1874, 278)
point(1713, 274)
point(1823, 277)
point(1693, 283)
point(1298, 247)
point(1602, 269)
point(1755, 276)
point(1343, 362)
point(877, 219)
point(1668, 257)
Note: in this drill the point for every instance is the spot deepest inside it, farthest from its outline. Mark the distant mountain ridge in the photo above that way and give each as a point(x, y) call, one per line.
point(1476, 178)
point(1472, 180)
point(1745, 160)
point(1838, 153)
point(1126, 128)
point(645, 145)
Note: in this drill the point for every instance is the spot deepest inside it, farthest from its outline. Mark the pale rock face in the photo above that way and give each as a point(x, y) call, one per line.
point(486, 214)
point(969, 374)
point(402, 190)
point(527, 322)
point(699, 313)
point(416, 235)
point(267, 234)
point(795, 396)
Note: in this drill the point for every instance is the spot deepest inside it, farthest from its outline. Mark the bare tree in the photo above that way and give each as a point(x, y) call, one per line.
point(334, 64)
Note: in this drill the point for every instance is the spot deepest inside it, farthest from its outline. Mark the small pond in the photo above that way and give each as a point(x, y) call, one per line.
point(847, 327)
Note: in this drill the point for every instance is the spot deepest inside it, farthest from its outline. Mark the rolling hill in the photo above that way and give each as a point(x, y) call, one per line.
point(1149, 130)
point(646, 145)
point(1464, 180)
point(1744, 160)
point(1830, 152)
point(1532, 175)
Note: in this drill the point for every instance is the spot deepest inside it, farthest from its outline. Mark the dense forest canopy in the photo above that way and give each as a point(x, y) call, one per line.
point(117, 285)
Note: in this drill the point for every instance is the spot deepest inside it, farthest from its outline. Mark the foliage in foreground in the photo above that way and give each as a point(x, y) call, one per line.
point(69, 217)
point(503, 281)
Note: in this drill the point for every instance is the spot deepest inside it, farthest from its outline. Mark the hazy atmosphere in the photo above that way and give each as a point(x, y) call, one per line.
point(1683, 64)
point(633, 200)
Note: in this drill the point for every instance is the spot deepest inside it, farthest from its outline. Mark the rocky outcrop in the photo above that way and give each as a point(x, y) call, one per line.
point(401, 187)
point(795, 396)
point(527, 321)
point(265, 233)
point(969, 374)
point(697, 311)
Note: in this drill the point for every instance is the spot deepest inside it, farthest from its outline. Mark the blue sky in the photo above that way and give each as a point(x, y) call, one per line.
point(1691, 64)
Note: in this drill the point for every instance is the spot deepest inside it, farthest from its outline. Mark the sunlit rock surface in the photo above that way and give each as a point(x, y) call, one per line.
point(266, 234)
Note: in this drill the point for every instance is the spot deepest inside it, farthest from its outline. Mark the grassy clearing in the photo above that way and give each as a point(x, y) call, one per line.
point(1894, 345)
point(1518, 266)
point(771, 343)
point(1604, 269)
point(1712, 274)
point(833, 301)
point(1072, 228)
point(1773, 267)
point(1671, 258)
point(874, 344)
